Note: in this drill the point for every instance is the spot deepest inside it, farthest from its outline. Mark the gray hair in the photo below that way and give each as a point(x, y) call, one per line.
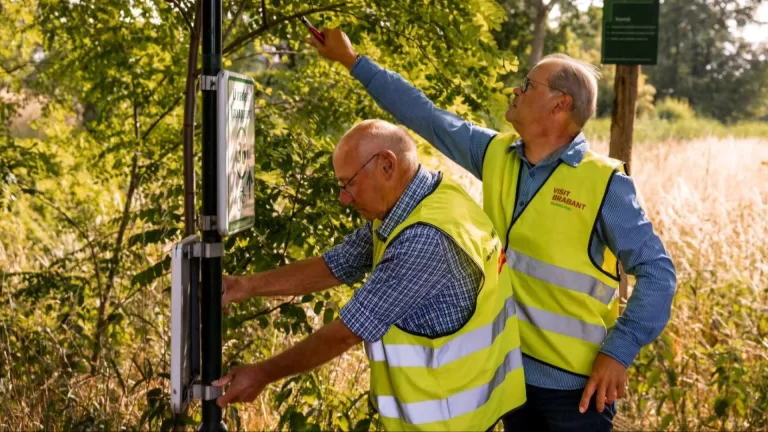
point(578, 79)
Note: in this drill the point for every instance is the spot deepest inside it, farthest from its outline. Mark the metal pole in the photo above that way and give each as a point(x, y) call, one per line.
point(211, 266)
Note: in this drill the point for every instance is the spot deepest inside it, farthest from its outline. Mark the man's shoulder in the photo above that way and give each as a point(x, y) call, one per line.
point(420, 239)
point(419, 232)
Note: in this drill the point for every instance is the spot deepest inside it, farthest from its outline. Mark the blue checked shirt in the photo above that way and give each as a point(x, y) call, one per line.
point(622, 225)
point(424, 283)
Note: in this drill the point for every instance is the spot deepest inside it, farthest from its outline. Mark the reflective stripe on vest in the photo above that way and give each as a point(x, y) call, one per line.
point(459, 347)
point(562, 324)
point(452, 406)
point(561, 277)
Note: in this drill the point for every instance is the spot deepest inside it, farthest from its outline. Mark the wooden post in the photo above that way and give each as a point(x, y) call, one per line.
point(622, 126)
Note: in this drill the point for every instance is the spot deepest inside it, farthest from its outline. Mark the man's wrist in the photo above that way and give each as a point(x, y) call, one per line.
point(267, 372)
point(349, 60)
point(620, 347)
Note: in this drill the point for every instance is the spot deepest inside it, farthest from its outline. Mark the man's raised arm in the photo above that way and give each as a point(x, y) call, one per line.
point(461, 141)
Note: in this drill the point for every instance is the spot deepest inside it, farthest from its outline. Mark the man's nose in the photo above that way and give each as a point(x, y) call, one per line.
point(517, 91)
point(345, 198)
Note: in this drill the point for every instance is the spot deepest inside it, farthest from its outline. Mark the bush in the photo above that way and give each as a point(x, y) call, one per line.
point(674, 109)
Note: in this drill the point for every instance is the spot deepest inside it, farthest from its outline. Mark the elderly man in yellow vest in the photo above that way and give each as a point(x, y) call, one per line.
point(565, 214)
point(436, 314)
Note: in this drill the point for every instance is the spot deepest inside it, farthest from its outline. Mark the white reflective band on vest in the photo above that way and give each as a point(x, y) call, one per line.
point(459, 347)
point(562, 324)
point(561, 277)
point(452, 406)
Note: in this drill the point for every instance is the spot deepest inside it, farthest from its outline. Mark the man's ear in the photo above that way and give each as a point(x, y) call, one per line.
point(388, 160)
point(564, 104)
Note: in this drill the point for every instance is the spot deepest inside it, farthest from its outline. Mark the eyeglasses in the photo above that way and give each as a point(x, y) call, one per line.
point(344, 186)
point(527, 82)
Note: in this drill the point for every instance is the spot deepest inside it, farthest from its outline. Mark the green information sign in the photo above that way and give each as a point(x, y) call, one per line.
point(234, 154)
point(630, 32)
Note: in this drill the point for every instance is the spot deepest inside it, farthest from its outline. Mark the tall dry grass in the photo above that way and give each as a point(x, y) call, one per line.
point(707, 199)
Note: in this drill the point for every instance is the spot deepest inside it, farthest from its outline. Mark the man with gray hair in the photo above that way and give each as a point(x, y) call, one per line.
point(436, 314)
point(568, 216)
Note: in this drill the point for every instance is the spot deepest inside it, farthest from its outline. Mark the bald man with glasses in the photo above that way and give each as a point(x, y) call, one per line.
point(436, 313)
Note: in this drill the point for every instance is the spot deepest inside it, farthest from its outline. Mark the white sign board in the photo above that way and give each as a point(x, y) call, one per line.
point(234, 153)
point(181, 372)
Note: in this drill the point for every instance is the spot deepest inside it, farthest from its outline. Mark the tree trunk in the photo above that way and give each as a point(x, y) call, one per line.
point(622, 125)
point(190, 101)
point(539, 31)
point(541, 12)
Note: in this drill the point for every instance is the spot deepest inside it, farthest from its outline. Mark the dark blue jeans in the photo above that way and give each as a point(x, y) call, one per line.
point(558, 411)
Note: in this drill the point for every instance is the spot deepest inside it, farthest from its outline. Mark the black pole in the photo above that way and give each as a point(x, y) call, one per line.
point(211, 266)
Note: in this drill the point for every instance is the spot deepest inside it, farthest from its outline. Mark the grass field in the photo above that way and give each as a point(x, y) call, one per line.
point(708, 200)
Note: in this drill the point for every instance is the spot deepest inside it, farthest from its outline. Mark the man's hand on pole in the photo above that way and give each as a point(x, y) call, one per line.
point(234, 290)
point(246, 383)
point(337, 47)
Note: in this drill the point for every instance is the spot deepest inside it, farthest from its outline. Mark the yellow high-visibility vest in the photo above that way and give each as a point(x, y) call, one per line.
point(566, 302)
point(470, 378)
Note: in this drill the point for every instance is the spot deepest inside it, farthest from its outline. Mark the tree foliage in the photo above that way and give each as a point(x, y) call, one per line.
point(701, 59)
point(99, 184)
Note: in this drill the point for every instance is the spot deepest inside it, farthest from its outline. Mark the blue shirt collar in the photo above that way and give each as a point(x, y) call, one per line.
point(572, 154)
point(422, 184)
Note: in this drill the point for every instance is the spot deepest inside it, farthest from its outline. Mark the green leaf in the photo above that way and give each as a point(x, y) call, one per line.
point(363, 425)
point(328, 316)
point(153, 236)
point(722, 403)
point(146, 276)
point(318, 307)
point(666, 421)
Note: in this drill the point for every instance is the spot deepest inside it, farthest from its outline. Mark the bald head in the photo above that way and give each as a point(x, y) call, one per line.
point(371, 137)
point(374, 163)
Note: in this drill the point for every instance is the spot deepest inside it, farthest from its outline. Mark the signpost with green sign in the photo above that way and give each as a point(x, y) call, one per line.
point(630, 32)
point(630, 39)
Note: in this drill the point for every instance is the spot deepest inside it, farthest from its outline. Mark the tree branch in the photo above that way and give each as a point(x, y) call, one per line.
point(237, 43)
point(302, 172)
point(115, 261)
point(233, 22)
point(268, 311)
point(181, 11)
point(188, 130)
point(263, 13)
point(14, 68)
point(162, 116)
point(264, 53)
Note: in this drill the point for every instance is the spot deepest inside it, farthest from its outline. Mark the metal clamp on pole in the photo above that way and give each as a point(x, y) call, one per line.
point(208, 250)
point(208, 82)
point(205, 393)
point(209, 223)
